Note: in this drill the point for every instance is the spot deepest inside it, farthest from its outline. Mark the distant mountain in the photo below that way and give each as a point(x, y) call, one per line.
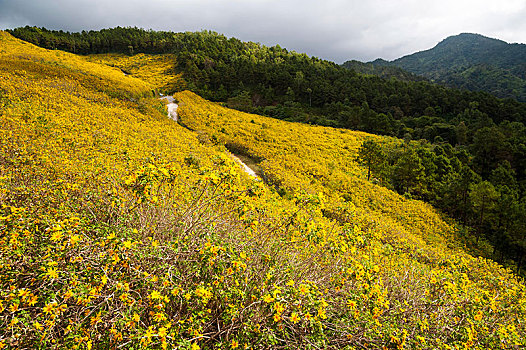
point(473, 62)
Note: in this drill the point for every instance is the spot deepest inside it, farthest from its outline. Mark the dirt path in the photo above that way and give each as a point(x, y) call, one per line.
point(172, 113)
point(243, 166)
point(172, 107)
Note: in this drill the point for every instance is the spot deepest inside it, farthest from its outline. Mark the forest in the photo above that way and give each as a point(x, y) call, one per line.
point(471, 156)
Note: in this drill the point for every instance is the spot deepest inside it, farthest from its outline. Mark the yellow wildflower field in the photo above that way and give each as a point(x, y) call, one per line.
point(158, 70)
point(120, 228)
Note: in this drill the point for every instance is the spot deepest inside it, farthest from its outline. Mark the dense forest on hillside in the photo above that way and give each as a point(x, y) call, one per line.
point(474, 166)
point(470, 61)
point(383, 71)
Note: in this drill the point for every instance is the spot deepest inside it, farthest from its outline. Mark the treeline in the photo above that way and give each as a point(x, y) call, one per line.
point(383, 71)
point(114, 40)
point(292, 85)
point(493, 205)
point(484, 132)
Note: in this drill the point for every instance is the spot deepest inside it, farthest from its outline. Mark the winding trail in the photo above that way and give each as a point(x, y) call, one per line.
point(172, 107)
point(243, 166)
point(172, 114)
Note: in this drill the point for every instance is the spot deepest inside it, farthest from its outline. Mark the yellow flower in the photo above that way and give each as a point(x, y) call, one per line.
point(268, 299)
point(234, 344)
point(23, 293)
point(52, 273)
point(115, 259)
point(33, 300)
point(95, 319)
point(295, 318)
point(195, 346)
point(279, 308)
point(68, 294)
point(162, 332)
point(159, 316)
point(49, 307)
point(304, 289)
point(55, 236)
point(478, 316)
point(74, 239)
point(155, 295)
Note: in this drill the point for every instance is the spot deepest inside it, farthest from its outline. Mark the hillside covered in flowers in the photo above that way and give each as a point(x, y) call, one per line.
point(120, 228)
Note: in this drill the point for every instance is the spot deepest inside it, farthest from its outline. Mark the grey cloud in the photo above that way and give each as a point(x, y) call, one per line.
point(332, 29)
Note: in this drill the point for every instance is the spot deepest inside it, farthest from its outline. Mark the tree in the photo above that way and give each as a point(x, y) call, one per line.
point(309, 91)
point(408, 172)
point(504, 179)
point(242, 102)
point(484, 196)
point(490, 147)
point(462, 133)
point(372, 156)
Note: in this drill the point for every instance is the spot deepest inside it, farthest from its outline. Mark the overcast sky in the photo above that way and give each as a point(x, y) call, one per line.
point(337, 30)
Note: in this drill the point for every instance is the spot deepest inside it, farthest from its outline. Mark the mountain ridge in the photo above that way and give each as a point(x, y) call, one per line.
point(500, 66)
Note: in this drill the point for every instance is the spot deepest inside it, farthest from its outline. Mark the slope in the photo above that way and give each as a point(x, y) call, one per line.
point(120, 228)
point(158, 70)
point(407, 237)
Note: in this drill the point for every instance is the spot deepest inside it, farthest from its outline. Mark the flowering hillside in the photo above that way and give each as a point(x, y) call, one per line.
point(158, 70)
point(314, 159)
point(119, 228)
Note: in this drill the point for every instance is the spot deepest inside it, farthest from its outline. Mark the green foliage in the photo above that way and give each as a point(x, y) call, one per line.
point(484, 197)
point(408, 172)
point(384, 71)
point(443, 176)
point(372, 156)
point(242, 102)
